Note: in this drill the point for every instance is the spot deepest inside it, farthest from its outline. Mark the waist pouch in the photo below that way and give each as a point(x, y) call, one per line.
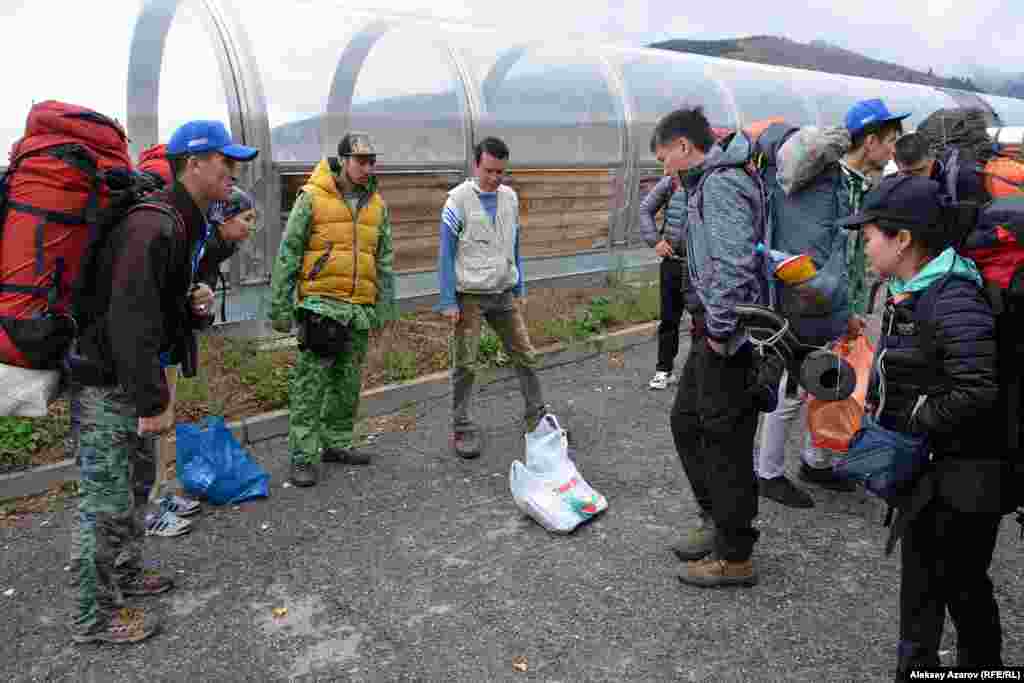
point(323, 336)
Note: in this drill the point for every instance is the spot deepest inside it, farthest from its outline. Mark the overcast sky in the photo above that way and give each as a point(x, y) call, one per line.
point(297, 43)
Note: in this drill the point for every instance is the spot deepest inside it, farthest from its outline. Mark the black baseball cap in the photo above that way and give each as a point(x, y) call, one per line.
point(900, 201)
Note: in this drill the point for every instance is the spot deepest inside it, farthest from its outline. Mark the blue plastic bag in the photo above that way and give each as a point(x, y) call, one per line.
point(211, 464)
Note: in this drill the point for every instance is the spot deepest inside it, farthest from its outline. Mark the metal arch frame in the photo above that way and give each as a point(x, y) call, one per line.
point(619, 220)
point(247, 109)
point(338, 113)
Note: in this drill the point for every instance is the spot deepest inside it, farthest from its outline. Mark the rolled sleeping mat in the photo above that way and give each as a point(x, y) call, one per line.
point(826, 376)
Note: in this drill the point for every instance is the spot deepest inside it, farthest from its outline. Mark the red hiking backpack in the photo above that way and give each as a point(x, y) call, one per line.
point(154, 161)
point(69, 177)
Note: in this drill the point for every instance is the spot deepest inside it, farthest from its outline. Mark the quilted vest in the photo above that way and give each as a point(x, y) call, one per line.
point(341, 253)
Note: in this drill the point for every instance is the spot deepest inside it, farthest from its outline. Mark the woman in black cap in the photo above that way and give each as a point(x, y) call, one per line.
point(935, 375)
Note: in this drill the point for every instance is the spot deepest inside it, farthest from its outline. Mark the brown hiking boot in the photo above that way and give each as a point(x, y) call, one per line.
point(146, 583)
point(127, 625)
point(346, 456)
point(712, 572)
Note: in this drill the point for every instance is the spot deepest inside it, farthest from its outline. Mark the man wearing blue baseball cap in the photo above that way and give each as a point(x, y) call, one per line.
point(136, 316)
point(873, 132)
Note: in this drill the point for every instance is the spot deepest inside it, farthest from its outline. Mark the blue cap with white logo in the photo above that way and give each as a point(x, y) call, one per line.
point(867, 112)
point(196, 137)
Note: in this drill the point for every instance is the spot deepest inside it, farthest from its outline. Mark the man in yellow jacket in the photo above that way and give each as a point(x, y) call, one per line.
point(337, 249)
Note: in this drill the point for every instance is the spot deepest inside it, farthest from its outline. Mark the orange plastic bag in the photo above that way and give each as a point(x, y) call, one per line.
point(833, 423)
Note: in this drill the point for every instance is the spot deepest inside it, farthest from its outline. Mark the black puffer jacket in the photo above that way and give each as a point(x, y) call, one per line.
point(938, 347)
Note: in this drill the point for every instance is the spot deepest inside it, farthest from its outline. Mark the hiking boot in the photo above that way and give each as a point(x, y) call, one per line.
point(179, 505)
point(712, 572)
point(167, 524)
point(127, 625)
point(303, 474)
point(698, 542)
point(662, 380)
point(346, 456)
point(826, 478)
point(784, 492)
point(145, 583)
point(466, 444)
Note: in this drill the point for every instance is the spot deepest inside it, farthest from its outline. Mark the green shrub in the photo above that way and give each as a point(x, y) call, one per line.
point(20, 437)
point(399, 366)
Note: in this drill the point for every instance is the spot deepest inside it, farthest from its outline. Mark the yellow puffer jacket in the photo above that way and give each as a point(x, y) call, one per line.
point(340, 260)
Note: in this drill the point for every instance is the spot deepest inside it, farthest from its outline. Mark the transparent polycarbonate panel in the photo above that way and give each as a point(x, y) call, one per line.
point(552, 104)
point(191, 84)
point(1009, 109)
point(298, 46)
point(49, 52)
point(409, 98)
point(761, 92)
point(659, 82)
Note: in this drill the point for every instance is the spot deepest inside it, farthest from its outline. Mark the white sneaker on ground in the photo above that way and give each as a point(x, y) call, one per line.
point(179, 505)
point(166, 524)
point(662, 380)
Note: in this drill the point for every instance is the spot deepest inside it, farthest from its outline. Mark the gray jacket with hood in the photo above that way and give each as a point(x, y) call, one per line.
point(725, 210)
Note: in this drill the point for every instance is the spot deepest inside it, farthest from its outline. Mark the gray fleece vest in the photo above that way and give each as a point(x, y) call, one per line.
point(486, 259)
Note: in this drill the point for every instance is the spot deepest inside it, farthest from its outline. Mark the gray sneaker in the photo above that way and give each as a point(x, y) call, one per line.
point(303, 474)
point(698, 542)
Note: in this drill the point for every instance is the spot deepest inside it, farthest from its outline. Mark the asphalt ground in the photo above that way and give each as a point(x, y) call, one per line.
point(420, 568)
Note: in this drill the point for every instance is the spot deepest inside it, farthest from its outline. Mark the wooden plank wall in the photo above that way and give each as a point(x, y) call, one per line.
point(563, 211)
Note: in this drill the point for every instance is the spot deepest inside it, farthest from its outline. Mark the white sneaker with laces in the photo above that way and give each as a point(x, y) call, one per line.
point(183, 507)
point(662, 380)
point(166, 524)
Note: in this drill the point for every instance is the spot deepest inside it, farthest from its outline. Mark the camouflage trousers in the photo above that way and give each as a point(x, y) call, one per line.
point(143, 476)
point(324, 400)
point(111, 537)
point(507, 322)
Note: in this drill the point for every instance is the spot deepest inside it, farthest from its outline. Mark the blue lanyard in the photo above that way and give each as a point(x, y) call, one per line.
point(200, 250)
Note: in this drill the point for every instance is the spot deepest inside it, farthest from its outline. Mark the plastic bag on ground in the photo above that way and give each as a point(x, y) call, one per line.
point(25, 392)
point(549, 487)
point(211, 464)
point(833, 423)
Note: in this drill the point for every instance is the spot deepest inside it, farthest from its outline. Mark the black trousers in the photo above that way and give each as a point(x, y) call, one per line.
point(671, 313)
point(713, 425)
point(945, 558)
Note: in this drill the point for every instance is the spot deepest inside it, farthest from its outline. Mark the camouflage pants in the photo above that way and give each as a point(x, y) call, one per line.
point(143, 476)
point(110, 535)
point(507, 322)
point(324, 400)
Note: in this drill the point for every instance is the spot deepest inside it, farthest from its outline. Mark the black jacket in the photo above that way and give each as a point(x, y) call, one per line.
point(140, 305)
point(940, 344)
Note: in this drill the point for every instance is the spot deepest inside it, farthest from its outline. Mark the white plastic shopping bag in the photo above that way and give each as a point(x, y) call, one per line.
point(27, 393)
point(549, 487)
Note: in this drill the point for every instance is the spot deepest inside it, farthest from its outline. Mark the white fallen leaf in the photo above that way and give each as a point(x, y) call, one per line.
point(181, 571)
point(45, 522)
point(9, 592)
point(332, 512)
point(286, 485)
point(264, 526)
point(67, 567)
